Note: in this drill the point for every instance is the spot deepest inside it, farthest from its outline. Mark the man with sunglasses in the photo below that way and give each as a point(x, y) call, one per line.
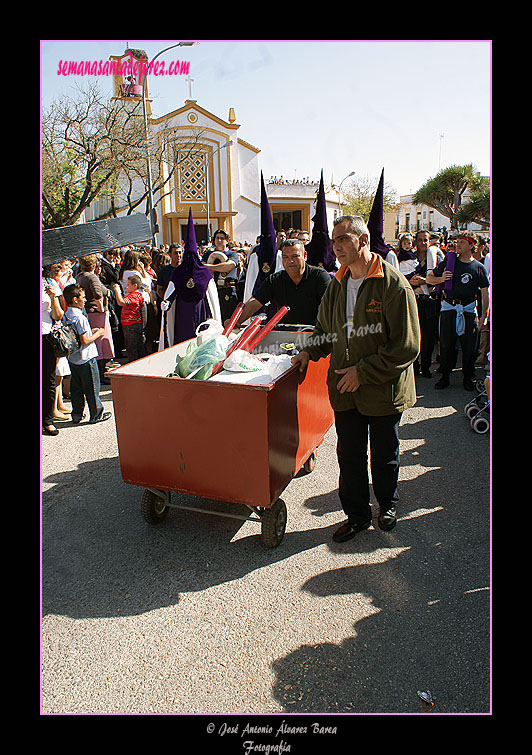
point(458, 316)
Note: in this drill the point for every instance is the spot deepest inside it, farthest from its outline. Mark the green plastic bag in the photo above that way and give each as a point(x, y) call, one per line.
point(202, 358)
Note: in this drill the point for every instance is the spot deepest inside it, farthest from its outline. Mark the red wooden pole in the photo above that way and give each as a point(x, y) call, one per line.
point(270, 325)
point(234, 317)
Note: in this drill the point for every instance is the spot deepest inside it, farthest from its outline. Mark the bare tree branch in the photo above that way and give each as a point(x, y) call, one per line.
point(93, 147)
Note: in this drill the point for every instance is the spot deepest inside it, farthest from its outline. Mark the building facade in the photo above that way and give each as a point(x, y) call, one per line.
point(412, 218)
point(213, 171)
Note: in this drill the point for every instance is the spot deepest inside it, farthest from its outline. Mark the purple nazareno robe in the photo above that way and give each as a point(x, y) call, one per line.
point(190, 280)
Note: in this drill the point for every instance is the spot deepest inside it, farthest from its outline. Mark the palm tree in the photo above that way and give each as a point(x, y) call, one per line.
point(477, 209)
point(444, 192)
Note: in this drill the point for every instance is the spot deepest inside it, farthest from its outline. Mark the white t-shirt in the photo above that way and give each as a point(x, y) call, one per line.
point(46, 310)
point(145, 286)
point(407, 267)
point(353, 284)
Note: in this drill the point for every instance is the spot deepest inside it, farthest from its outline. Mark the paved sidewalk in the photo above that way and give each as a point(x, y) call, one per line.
point(197, 616)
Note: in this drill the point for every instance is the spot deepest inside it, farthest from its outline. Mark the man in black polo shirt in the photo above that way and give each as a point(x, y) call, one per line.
point(299, 286)
point(458, 317)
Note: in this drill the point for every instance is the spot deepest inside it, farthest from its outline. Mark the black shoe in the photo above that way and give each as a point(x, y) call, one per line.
point(347, 530)
point(387, 519)
point(50, 430)
point(76, 419)
point(426, 373)
point(468, 384)
point(102, 417)
point(442, 383)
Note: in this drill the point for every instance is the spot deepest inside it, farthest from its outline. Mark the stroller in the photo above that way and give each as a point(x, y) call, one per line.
point(478, 409)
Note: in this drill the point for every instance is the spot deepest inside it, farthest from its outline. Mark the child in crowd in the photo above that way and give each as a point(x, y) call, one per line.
point(131, 317)
point(85, 379)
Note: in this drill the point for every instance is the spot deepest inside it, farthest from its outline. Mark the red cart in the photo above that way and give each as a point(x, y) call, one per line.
point(241, 443)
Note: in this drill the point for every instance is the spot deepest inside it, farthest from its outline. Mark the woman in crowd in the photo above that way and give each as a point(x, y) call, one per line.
point(131, 265)
point(62, 368)
point(51, 312)
point(66, 277)
point(96, 308)
point(151, 331)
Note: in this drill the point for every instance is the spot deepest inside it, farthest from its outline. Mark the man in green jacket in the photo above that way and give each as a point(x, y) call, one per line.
point(368, 323)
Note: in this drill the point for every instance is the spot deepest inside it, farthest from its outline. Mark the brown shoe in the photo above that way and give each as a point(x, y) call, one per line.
point(347, 530)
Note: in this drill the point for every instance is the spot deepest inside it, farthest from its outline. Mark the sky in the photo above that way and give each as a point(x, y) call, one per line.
point(412, 107)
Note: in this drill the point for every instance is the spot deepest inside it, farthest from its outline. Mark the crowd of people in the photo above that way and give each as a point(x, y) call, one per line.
point(301, 181)
point(452, 317)
point(121, 291)
point(118, 294)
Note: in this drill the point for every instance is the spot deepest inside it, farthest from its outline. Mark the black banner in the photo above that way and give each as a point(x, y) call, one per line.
point(79, 240)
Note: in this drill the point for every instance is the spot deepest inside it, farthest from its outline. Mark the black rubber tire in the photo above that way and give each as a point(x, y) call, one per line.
point(273, 524)
point(480, 425)
point(153, 509)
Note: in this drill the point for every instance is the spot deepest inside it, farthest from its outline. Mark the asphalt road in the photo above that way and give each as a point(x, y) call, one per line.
point(197, 616)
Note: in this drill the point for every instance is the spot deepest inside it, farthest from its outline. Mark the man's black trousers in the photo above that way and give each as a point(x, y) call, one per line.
point(352, 429)
point(468, 342)
point(428, 311)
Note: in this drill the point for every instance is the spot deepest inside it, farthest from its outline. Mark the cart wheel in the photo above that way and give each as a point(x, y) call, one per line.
point(273, 524)
point(480, 424)
point(310, 463)
point(153, 509)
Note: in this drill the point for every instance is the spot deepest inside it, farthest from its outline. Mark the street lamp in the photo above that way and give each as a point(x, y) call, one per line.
point(227, 144)
point(150, 183)
point(340, 189)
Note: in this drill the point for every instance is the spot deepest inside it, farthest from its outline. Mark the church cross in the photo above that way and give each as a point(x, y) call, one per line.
point(190, 80)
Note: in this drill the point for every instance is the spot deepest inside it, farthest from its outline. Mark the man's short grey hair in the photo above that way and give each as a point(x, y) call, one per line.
point(356, 224)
